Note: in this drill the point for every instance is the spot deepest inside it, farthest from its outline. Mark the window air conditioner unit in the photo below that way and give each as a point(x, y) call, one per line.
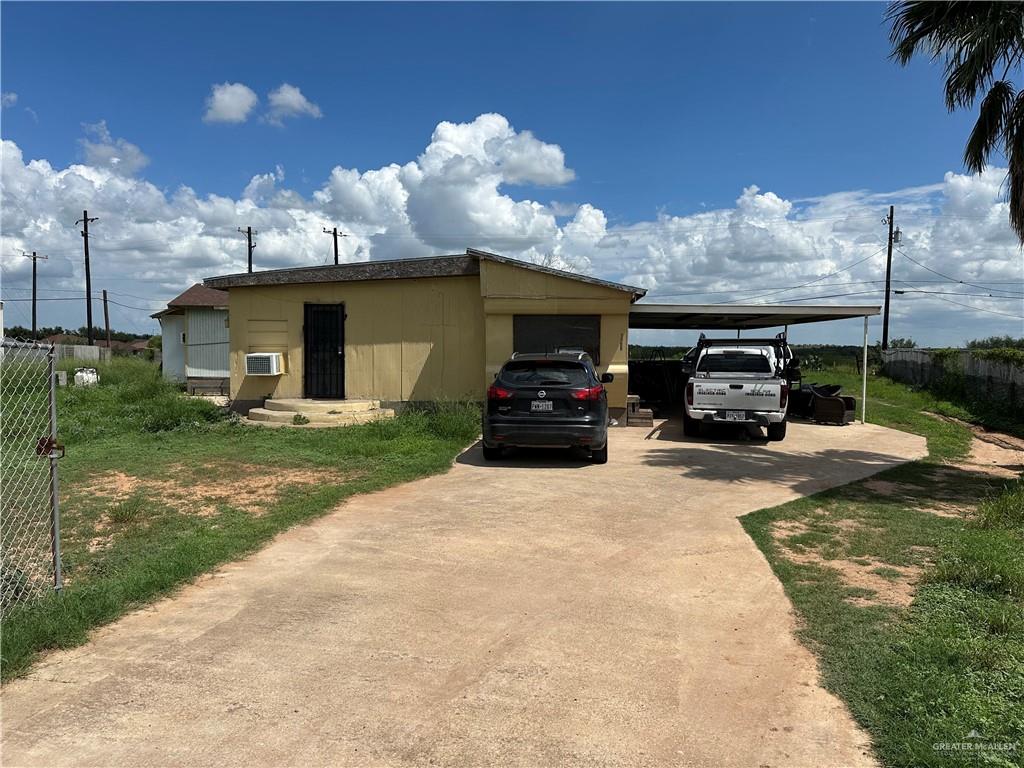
point(264, 364)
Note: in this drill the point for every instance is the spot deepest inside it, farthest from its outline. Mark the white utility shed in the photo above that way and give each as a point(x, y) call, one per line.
point(194, 331)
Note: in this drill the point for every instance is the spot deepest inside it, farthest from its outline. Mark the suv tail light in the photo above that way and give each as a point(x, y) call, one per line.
point(689, 393)
point(784, 395)
point(590, 393)
point(494, 392)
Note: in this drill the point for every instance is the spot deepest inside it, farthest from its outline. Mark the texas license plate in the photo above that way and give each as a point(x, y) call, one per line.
point(542, 405)
point(735, 415)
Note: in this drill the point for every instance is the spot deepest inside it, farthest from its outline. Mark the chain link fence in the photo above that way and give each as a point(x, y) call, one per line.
point(29, 510)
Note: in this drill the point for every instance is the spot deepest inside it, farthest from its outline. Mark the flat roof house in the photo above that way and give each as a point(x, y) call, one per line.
point(414, 330)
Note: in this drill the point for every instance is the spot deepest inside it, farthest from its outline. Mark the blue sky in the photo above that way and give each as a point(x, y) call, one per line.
point(660, 109)
point(673, 106)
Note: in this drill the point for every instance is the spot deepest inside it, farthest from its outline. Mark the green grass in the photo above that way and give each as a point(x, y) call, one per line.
point(122, 550)
point(951, 662)
point(911, 403)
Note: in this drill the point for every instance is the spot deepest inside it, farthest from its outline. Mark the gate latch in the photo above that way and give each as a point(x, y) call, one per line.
point(48, 446)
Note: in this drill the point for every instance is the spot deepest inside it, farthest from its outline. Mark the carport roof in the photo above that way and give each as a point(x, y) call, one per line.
point(709, 317)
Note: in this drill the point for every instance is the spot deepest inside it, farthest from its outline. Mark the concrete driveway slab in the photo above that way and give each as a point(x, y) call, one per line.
point(537, 611)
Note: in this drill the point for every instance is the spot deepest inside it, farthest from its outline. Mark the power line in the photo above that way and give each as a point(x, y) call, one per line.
point(832, 296)
point(95, 298)
point(980, 309)
point(958, 293)
point(810, 282)
point(940, 274)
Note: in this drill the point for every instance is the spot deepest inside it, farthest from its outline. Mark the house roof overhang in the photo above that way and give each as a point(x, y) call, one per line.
point(710, 317)
point(397, 269)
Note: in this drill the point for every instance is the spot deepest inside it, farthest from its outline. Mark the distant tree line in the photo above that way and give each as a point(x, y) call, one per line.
point(20, 332)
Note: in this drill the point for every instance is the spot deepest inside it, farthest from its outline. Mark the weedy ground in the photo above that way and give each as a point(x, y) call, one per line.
point(910, 586)
point(158, 488)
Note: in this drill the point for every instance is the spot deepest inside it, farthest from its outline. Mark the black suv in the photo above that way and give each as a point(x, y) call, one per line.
point(547, 400)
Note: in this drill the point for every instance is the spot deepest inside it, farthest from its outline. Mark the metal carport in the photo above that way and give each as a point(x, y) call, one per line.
point(740, 317)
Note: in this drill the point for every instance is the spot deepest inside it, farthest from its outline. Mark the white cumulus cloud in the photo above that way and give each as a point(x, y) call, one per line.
point(461, 191)
point(230, 103)
point(101, 150)
point(8, 99)
point(288, 101)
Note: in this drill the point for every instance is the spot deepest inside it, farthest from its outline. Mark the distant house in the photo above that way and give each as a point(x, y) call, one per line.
point(194, 329)
point(65, 338)
point(137, 347)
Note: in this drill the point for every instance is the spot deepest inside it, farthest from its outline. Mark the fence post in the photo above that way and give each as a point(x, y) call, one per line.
point(58, 576)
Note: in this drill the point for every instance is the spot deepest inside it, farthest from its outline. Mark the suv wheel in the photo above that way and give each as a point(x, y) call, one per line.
point(492, 454)
point(777, 432)
point(599, 455)
point(691, 427)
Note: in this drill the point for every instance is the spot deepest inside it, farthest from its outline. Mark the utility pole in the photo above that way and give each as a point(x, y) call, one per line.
point(334, 232)
point(35, 258)
point(249, 232)
point(888, 282)
point(106, 317)
point(84, 221)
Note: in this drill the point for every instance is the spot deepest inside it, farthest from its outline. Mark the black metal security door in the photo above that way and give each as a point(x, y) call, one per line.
point(324, 358)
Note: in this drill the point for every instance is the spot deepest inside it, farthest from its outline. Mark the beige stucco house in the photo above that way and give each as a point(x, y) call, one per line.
point(416, 330)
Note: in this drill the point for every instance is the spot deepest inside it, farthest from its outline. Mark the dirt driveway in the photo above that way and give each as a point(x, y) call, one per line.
point(542, 611)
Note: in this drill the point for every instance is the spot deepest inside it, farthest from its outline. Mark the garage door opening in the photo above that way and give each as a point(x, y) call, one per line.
point(554, 333)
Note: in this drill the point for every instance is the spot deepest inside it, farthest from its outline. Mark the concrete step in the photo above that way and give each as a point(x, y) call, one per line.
point(266, 415)
point(302, 405)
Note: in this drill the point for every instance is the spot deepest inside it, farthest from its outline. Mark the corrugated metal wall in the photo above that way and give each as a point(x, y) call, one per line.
point(172, 329)
point(207, 343)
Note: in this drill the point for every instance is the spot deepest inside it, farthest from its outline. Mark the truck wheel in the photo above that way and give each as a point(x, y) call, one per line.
point(492, 454)
point(691, 427)
point(777, 432)
point(599, 455)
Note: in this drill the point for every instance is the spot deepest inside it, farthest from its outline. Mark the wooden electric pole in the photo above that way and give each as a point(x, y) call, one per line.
point(106, 317)
point(35, 258)
point(249, 232)
point(84, 221)
point(888, 282)
point(334, 232)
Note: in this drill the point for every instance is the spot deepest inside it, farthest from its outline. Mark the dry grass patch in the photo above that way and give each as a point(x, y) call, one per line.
point(203, 490)
point(890, 585)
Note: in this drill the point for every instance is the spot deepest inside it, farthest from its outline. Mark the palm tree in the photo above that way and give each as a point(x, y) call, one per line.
point(981, 43)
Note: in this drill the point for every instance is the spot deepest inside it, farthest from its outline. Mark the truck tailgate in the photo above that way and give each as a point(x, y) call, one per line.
point(724, 394)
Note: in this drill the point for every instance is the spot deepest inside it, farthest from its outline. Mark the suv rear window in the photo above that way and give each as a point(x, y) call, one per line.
point(546, 373)
point(734, 362)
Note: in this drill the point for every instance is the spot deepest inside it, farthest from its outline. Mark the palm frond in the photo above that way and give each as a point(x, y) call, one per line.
point(1014, 130)
point(994, 41)
point(996, 109)
point(938, 27)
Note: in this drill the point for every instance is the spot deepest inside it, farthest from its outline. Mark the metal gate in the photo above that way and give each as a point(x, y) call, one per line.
point(324, 351)
point(29, 494)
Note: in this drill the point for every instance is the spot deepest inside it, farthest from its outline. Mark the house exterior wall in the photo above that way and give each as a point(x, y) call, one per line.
point(508, 290)
point(419, 339)
point(206, 343)
point(172, 348)
point(405, 340)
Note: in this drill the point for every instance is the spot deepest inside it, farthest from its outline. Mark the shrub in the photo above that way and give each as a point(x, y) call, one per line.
point(983, 560)
point(1004, 511)
point(131, 396)
point(449, 420)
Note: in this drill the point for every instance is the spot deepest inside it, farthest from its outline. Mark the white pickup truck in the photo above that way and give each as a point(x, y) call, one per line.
point(739, 382)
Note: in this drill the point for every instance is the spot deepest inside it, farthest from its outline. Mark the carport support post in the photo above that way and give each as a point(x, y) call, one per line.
point(864, 377)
